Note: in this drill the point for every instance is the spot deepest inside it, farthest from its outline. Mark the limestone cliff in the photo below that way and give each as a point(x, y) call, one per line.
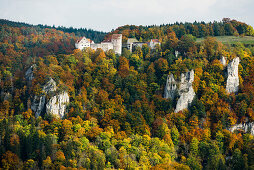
point(183, 88)
point(246, 127)
point(186, 91)
point(50, 86)
point(171, 87)
point(29, 75)
point(38, 103)
point(232, 76)
point(57, 104)
point(223, 61)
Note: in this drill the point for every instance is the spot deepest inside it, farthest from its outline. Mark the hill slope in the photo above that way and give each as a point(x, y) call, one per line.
point(246, 40)
point(227, 27)
point(96, 36)
point(116, 115)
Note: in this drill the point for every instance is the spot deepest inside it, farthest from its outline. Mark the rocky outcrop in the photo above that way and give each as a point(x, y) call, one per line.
point(177, 54)
point(223, 61)
point(38, 103)
point(246, 127)
point(233, 78)
point(29, 75)
point(50, 86)
point(57, 104)
point(171, 87)
point(183, 88)
point(185, 91)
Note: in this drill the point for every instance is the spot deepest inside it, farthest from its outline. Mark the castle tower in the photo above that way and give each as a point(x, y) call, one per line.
point(117, 43)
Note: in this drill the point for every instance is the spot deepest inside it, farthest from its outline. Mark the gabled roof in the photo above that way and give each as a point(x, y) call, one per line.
point(155, 40)
point(116, 36)
point(80, 39)
point(131, 40)
point(91, 41)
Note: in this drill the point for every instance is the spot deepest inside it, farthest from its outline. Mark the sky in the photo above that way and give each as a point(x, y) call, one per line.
point(105, 15)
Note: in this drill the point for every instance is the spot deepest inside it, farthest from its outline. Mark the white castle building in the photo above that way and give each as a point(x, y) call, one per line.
point(114, 43)
point(83, 43)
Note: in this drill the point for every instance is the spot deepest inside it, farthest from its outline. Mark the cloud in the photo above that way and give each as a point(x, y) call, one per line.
point(109, 14)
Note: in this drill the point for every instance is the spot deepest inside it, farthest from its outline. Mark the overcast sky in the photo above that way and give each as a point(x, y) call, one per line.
point(105, 15)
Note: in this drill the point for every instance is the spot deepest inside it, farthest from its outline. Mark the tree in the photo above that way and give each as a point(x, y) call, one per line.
point(11, 161)
point(186, 44)
point(47, 163)
point(123, 67)
point(237, 160)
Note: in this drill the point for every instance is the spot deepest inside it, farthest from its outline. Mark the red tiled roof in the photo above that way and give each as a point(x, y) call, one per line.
point(79, 39)
point(86, 38)
point(116, 36)
point(90, 40)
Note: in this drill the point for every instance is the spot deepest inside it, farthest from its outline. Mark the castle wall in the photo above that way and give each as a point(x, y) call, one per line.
point(95, 46)
point(107, 46)
point(117, 43)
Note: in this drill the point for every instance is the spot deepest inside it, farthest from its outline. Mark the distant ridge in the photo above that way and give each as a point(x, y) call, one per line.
point(96, 36)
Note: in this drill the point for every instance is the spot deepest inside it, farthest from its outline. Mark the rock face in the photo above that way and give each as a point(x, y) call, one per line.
point(56, 105)
point(39, 101)
point(223, 61)
point(50, 86)
point(185, 90)
point(177, 54)
point(233, 79)
point(29, 75)
point(246, 127)
point(171, 87)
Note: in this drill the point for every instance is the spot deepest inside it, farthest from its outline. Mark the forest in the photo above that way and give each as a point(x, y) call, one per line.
point(117, 116)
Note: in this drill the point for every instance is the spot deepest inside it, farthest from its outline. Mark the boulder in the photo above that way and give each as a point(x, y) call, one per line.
point(232, 76)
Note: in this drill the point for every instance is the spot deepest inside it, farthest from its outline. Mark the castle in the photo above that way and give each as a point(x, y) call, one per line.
point(83, 43)
point(114, 43)
point(133, 43)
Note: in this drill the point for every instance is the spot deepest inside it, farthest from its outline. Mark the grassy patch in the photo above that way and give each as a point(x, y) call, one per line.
point(246, 40)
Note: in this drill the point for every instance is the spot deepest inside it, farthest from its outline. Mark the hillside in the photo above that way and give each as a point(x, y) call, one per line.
point(96, 36)
point(246, 40)
point(179, 105)
point(226, 27)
